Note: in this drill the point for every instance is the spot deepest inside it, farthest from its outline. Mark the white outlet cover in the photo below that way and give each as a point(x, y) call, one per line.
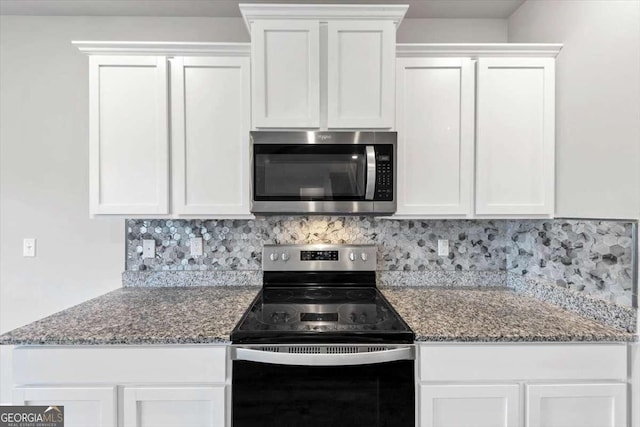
point(148, 248)
point(29, 247)
point(196, 246)
point(443, 247)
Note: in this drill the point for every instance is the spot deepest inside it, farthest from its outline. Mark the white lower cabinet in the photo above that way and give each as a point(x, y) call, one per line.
point(523, 385)
point(83, 406)
point(579, 405)
point(174, 406)
point(127, 386)
point(469, 405)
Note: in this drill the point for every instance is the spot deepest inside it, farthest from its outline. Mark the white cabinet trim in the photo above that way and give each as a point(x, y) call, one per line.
point(477, 50)
point(322, 12)
point(162, 48)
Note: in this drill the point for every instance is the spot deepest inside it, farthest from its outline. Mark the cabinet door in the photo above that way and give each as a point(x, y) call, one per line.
point(435, 116)
point(83, 406)
point(174, 406)
point(515, 136)
point(361, 68)
point(210, 105)
point(469, 405)
point(128, 135)
point(577, 405)
point(286, 74)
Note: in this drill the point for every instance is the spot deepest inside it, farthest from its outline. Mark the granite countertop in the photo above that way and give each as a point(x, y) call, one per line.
point(189, 315)
point(492, 315)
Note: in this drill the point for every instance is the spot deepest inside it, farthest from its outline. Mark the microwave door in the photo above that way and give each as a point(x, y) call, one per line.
point(371, 172)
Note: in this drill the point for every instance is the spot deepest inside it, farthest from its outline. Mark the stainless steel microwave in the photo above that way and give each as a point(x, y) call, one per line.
point(346, 173)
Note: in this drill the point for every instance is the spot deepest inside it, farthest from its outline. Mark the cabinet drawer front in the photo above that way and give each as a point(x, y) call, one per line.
point(580, 405)
point(120, 365)
point(523, 362)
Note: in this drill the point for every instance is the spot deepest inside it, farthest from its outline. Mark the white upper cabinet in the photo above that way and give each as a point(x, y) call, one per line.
point(129, 135)
point(323, 66)
point(515, 137)
point(286, 74)
point(435, 118)
point(169, 143)
point(210, 117)
point(361, 73)
point(475, 130)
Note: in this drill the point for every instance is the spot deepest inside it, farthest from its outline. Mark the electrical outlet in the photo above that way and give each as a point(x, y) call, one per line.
point(443, 247)
point(196, 246)
point(148, 248)
point(29, 247)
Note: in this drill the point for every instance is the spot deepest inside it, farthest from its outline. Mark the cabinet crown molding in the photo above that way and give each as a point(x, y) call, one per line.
point(323, 12)
point(478, 50)
point(162, 48)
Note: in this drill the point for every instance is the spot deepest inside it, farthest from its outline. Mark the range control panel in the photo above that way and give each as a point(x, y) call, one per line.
point(319, 257)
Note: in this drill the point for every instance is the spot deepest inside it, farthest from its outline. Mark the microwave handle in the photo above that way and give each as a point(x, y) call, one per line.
point(371, 172)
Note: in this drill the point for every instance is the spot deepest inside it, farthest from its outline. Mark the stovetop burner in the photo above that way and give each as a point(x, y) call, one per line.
point(315, 304)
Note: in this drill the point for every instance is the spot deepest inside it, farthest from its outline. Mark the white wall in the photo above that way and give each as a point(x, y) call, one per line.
point(452, 31)
point(597, 101)
point(44, 152)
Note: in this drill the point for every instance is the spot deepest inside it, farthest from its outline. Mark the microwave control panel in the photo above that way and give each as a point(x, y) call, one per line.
point(384, 173)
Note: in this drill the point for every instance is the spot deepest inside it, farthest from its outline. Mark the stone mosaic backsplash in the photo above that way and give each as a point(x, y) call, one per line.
point(592, 258)
point(406, 245)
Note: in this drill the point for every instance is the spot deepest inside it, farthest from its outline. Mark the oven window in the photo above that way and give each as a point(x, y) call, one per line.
point(302, 173)
point(380, 395)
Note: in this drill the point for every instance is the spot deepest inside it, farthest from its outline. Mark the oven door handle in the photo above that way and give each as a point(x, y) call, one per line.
point(371, 172)
point(340, 359)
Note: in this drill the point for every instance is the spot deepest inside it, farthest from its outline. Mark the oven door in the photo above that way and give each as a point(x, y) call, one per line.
point(373, 388)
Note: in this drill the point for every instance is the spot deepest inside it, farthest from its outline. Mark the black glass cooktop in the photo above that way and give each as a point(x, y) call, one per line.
point(327, 314)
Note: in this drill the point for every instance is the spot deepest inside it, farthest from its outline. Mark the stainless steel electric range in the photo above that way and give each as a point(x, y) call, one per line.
point(320, 345)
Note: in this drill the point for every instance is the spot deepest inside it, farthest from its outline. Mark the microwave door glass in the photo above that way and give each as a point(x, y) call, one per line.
point(308, 176)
